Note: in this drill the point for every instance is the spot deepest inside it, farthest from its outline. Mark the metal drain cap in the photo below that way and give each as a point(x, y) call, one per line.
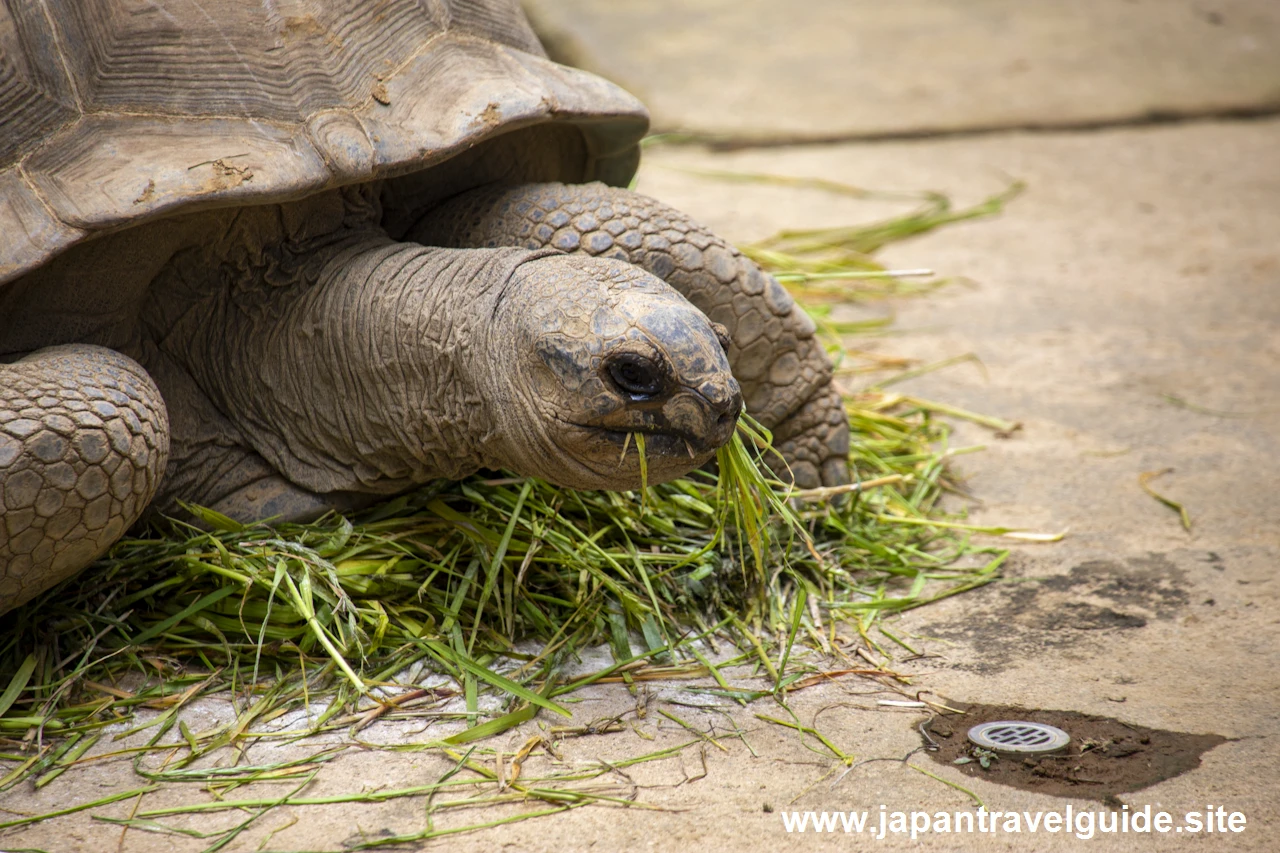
point(1019, 736)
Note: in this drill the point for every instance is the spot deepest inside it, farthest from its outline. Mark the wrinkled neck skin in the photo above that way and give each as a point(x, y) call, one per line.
point(368, 365)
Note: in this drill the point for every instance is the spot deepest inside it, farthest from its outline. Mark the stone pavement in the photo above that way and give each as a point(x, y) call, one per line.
point(1125, 311)
point(753, 70)
point(1140, 266)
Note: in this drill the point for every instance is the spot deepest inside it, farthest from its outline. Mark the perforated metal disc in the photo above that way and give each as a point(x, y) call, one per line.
point(1019, 736)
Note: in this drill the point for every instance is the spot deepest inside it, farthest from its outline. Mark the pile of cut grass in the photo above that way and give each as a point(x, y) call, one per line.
point(462, 579)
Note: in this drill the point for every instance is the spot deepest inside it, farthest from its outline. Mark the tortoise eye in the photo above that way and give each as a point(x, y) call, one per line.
point(636, 375)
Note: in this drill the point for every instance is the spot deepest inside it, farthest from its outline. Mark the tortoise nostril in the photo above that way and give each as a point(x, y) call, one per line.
point(722, 395)
point(727, 409)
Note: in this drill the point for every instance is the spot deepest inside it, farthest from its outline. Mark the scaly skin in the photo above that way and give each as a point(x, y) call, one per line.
point(84, 437)
point(382, 365)
point(786, 376)
point(311, 361)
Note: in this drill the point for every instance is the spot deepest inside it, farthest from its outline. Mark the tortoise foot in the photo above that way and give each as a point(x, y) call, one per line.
point(814, 442)
point(84, 438)
point(273, 498)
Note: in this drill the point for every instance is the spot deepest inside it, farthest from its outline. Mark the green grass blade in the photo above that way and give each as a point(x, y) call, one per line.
point(18, 683)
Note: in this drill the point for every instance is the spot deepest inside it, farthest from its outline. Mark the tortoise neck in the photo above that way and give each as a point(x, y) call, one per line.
point(378, 371)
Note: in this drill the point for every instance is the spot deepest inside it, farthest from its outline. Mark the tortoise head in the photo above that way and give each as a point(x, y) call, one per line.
point(605, 353)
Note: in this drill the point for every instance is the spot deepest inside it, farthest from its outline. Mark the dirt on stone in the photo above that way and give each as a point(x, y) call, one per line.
point(1105, 757)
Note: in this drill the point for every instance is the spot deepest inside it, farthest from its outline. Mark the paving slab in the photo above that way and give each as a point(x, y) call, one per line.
point(1138, 264)
point(1124, 308)
point(1125, 311)
point(754, 70)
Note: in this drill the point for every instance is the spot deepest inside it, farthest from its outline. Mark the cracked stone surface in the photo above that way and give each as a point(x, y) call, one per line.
point(759, 70)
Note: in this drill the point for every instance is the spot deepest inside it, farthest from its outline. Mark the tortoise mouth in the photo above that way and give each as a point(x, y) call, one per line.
point(663, 442)
point(607, 456)
point(680, 433)
point(689, 425)
point(666, 439)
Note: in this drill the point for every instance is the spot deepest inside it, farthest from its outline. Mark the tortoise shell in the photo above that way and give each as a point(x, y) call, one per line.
point(118, 112)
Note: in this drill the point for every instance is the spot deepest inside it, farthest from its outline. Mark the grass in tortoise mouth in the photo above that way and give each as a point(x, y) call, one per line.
point(472, 600)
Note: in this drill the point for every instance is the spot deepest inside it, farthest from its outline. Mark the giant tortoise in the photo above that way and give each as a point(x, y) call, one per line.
point(281, 258)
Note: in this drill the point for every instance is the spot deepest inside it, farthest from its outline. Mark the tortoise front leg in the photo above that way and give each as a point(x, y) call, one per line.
point(785, 374)
point(84, 438)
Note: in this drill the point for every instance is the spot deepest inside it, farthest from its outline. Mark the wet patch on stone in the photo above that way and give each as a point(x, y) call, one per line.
point(1023, 617)
point(1106, 757)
